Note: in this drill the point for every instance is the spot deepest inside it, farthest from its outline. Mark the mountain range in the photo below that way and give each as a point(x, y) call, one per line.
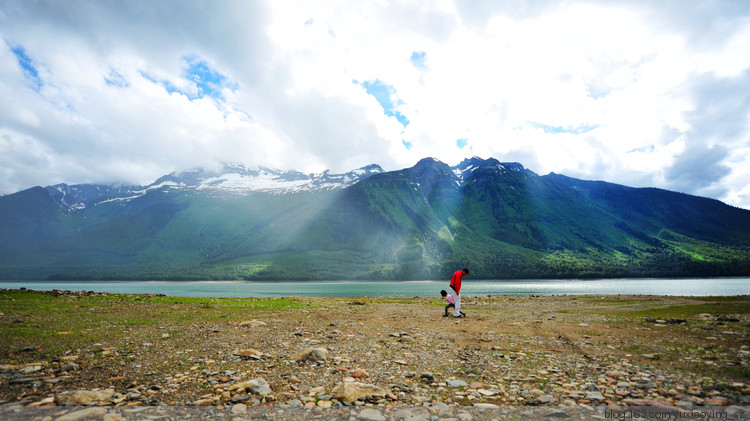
point(499, 219)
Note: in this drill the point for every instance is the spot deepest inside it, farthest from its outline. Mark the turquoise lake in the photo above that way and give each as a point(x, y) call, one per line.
point(675, 287)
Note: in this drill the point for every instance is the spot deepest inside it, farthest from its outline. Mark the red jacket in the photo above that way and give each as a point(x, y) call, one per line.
point(456, 281)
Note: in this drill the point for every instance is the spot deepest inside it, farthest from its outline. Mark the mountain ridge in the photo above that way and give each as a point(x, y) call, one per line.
point(499, 218)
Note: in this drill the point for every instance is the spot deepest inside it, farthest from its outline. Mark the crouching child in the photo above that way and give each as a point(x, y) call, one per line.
point(451, 302)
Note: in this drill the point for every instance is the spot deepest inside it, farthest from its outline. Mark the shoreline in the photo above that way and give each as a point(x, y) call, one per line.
point(424, 288)
point(561, 351)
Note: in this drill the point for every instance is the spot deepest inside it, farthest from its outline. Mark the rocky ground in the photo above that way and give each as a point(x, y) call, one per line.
point(384, 354)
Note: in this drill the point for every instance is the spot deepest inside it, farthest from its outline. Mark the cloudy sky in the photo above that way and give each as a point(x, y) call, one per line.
point(641, 93)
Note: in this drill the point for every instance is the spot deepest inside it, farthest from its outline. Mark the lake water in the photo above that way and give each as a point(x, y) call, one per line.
point(677, 287)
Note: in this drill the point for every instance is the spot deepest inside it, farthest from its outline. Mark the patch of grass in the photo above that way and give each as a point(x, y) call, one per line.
point(739, 372)
point(56, 324)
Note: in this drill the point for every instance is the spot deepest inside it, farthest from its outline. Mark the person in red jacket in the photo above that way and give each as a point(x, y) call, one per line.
point(456, 287)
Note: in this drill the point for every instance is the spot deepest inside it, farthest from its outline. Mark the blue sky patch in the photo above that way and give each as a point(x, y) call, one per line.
point(649, 148)
point(385, 95)
point(208, 81)
point(560, 129)
point(29, 70)
point(419, 59)
point(114, 78)
point(461, 143)
point(407, 144)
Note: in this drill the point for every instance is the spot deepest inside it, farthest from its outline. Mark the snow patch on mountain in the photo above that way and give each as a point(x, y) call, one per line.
point(232, 179)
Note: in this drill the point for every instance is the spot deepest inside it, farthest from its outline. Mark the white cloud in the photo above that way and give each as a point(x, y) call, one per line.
point(629, 92)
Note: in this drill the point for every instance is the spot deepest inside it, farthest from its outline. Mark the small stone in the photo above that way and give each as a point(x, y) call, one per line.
point(616, 374)
point(84, 414)
point(312, 354)
point(545, 400)
point(239, 409)
point(370, 414)
point(70, 366)
point(256, 386)
point(595, 396)
point(718, 401)
point(485, 406)
point(648, 402)
point(83, 397)
point(250, 352)
point(456, 383)
point(352, 391)
point(427, 376)
point(359, 374)
point(252, 323)
point(203, 402)
point(477, 385)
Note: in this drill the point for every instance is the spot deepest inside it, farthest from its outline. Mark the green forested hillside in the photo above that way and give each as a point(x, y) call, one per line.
point(500, 220)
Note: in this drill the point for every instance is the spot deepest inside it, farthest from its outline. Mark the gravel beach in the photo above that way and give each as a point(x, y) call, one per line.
point(511, 353)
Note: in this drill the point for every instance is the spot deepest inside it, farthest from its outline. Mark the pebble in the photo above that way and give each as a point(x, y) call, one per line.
point(456, 383)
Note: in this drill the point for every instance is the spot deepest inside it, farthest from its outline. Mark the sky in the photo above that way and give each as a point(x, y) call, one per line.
point(641, 93)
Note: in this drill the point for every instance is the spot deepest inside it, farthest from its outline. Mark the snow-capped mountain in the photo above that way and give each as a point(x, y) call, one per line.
point(232, 179)
point(238, 179)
